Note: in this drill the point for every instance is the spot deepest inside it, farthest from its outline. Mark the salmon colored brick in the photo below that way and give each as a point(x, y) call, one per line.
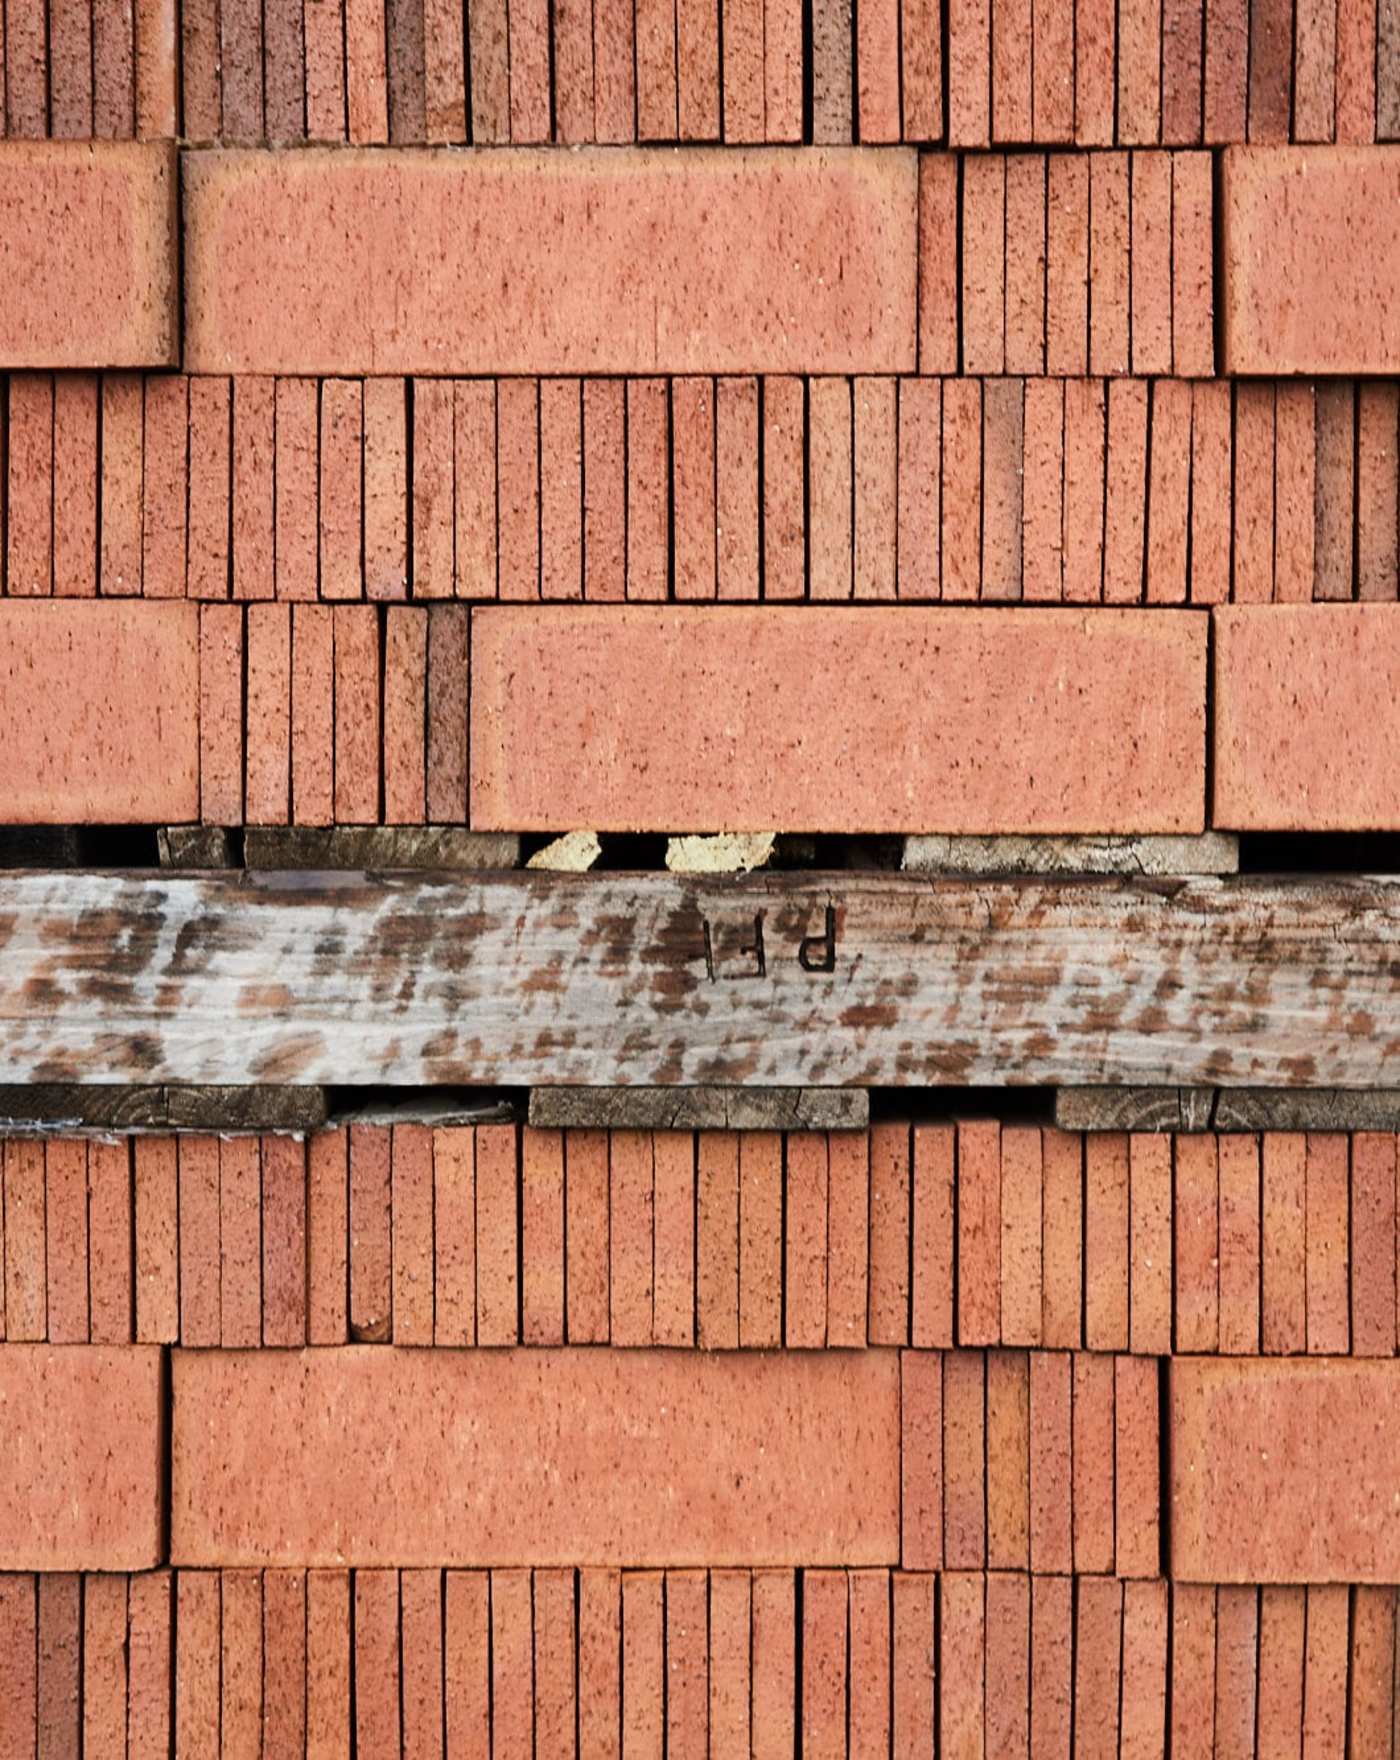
point(771, 1628)
point(1305, 206)
point(197, 1663)
point(732, 1630)
point(915, 1662)
point(1003, 451)
point(328, 1664)
point(1372, 1711)
point(100, 290)
point(284, 1663)
point(1325, 1669)
point(1150, 1227)
point(870, 1665)
point(960, 542)
point(119, 564)
point(1021, 1278)
point(1169, 492)
point(693, 487)
point(376, 1660)
point(878, 73)
point(829, 488)
point(297, 443)
point(411, 1178)
point(240, 1223)
point(642, 776)
point(342, 489)
point(1196, 1217)
point(405, 689)
point(512, 1663)
point(56, 1705)
point(1093, 1447)
point(1239, 1245)
point(370, 1264)
point(1236, 1670)
point(805, 1241)
point(1136, 1467)
point(876, 489)
point(1277, 1471)
point(240, 1715)
point(599, 1652)
point(1182, 47)
point(1050, 1447)
point(1335, 490)
point(648, 488)
point(962, 1629)
point(964, 1460)
point(1139, 117)
point(586, 1235)
point(1098, 1666)
point(358, 711)
point(1326, 1273)
point(1356, 74)
point(149, 1664)
point(1008, 1685)
point(454, 1236)
point(687, 1666)
point(918, 488)
point(1282, 1617)
point(983, 287)
point(327, 1237)
point(30, 479)
point(630, 1224)
point(518, 488)
point(220, 712)
point(1295, 467)
point(737, 404)
point(268, 760)
point(1143, 1716)
point(761, 1239)
point(122, 745)
point(542, 1237)
point(969, 35)
point(1062, 1240)
point(335, 318)
point(561, 489)
point(1373, 1244)
point(1284, 1242)
point(497, 1236)
point(1192, 266)
point(1212, 439)
point(19, 1626)
point(1008, 1460)
point(1254, 494)
point(1150, 244)
point(604, 489)
point(445, 754)
point(1376, 414)
point(109, 1243)
point(1052, 1670)
point(1124, 498)
point(66, 1239)
point(1067, 265)
point(931, 1291)
point(1025, 258)
point(889, 1235)
point(848, 1239)
point(921, 1460)
point(833, 82)
point(979, 1233)
point(938, 284)
point(1109, 308)
point(26, 1277)
point(105, 1664)
point(1106, 1241)
point(1314, 71)
point(1011, 70)
point(825, 1662)
point(81, 1477)
point(1043, 514)
point(199, 1254)
point(421, 1641)
point(1192, 1688)
point(156, 1201)
point(386, 491)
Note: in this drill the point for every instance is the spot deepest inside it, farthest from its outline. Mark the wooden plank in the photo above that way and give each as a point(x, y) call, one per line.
point(785, 978)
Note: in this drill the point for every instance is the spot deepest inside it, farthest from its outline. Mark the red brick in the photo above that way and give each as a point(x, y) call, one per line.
point(104, 1665)
point(1142, 1733)
point(1356, 75)
point(829, 491)
point(327, 1238)
point(839, 1444)
point(915, 1663)
point(1008, 1680)
point(221, 710)
point(573, 74)
point(1097, 1669)
point(1136, 1467)
point(655, 780)
point(960, 542)
point(1193, 272)
point(614, 71)
point(1236, 1672)
point(1169, 490)
point(370, 1245)
point(1067, 265)
point(357, 714)
point(1373, 1244)
point(782, 70)
point(284, 1665)
point(969, 33)
point(1182, 90)
point(26, 1277)
point(1284, 1244)
point(1211, 499)
point(66, 1238)
point(648, 488)
point(1196, 1212)
point(1334, 507)
point(1281, 1471)
point(761, 1239)
point(197, 1665)
point(1025, 259)
point(284, 70)
point(405, 690)
point(805, 1241)
point(19, 1624)
point(30, 485)
point(98, 291)
point(732, 1627)
point(1295, 464)
point(773, 1642)
point(81, 1475)
point(983, 302)
point(253, 510)
point(1062, 1243)
point(1043, 513)
point(1290, 211)
point(511, 1665)
point(1239, 1245)
point(869, 1666)
point(328, 1667)
point(412, 1234)
point(687, 1667)
point(244, 210)
point(109, 1246)
point(599, 1652)
point(149, 1665)
point(386, 489)
point(1093, 1443)
point(1011, 70)
point(1051, 1462)
point(1226, 71)
point(59, 1677)
point(1124, 493)
point(497, 1236)
point(241, 1661)
point(210, 486)
point(466, 1654)
point(1008, 1460)
point(938, 287)
point(445, 757)
point(1192, 1728)
point(1106, 1242)
point(1372, 1708)
point(269, 687)
point(878, 72)
point(1326, 1278)
point(157, 1241)
point(298, 467)
point(120, 745)
point(889, 1234)
point(1325, 1670)
point(342, 489)
point(1151, 250)
point(542, 1236)
point(518, 488)
point(1003, 452)
point(1150, 1199)
point(931, 1296)
point(962, 1665)
point(1021, 1282)
point(1139, 72)
point(1376, 536)
point(630, 1237)
point(643, 1668)
point(454, 1236)
point(119, 564)
point(848, 1239)
point(604, 489)
point(240, 1225)
point(586, 1235)
point(561, 489)
point(376, 1661)
point(1254, 494)
point(918, 492)
point(1315, 70)
point(964, 1460)
point(1282, 1616)
point(921, 1460)
point(1108, 263)
point(199, 1240)
point(75, 488)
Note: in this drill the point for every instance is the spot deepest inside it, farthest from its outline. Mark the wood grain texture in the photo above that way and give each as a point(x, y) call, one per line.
point(808, 979)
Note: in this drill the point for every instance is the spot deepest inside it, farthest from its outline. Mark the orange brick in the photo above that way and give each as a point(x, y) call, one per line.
point(1021, 1277)
point(1108, 263)
point(240, 1715)
point(1182, 89)
point(1051, 1462)
point(357, 715)
point(1043, 513)
point(1373, 1244)
point(889, 1234)
point(805, 1239)
point(1372, 1708)
point(405, 689)
point(66, 1238)
point(1193, 274)
point(99, 291)
point(1151, 239)
point(1098, 1669)
point(328, 1664)
point(1211, 466)
point(1192, 1729)
point(1067, 265)
point(1169, 488)
point(371, 1265)
point(983, 302)
point(761, 1239)
point(1136, 1467)
point(921, 1460)
point(283, 1241)
point(869, 1666)
point(554, 1641)
point(411, 1176)
point(573, 75)
point(931, 1295)
point(604, 489)
point(1008, 1460)
point(157, 1272)
point(1143, 1717)
point(421, 1640)
point(198, 1663)
point(1062, 1243)
point(1093, 1444)
point(109, 1248)
point(30, 471)
point(1284, 1246)
point(269, 687)
point(648, 489)
point(830, 494)
point(848, 1239)
point(104, 1664)
point(825, 1662)
point(732, 1631)
point(1124, 493)
point(1106, 1242)
point(240, 1223)
point(561, 489)
point(1326, 1279)
point(915, 1662)
point(630, 1237)
point(919, 473)
point(1282, 1617)
point(1196, 1210)
point(1325, 1669)
point(962, 1663)
point(1003, 452)
point(960, 542)
point(19, 1625)
point(386, 490)
point(1052, 1666)
point(1150, 1208)
point(938, 287)
point(241, 207)
point(737, 488)
point(199, 1240)
point(964, 1460)
point(542, 1236)
point(586, 1235)
point(26, 1277)
point(150, 1664)
point(1236, 1671)
point(686, 1667)
point(454, 1236)
point(497, 1236)
point(297, 444)
point(1008, 1687)
point(75, 491)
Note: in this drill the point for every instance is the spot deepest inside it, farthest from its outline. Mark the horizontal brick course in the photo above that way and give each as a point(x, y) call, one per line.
point(837, 721)
point(1283, 1472)
point(80, 1473)
point(1304, 703)
point(643, 1458)
point(99, 708)
point(1311, 243)
point(96, 287)
point(321, 263)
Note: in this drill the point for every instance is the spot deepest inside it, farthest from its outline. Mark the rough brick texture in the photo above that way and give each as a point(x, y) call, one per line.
point(299, 263)
point(95, 288)
point(838, 721)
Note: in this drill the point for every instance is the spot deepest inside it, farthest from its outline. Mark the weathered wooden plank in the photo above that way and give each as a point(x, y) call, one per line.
point(805, 979)
point(700, 1109)
point(1228, 1109)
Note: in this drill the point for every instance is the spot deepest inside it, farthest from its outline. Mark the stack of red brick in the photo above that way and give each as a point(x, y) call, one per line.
point(996, 430)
